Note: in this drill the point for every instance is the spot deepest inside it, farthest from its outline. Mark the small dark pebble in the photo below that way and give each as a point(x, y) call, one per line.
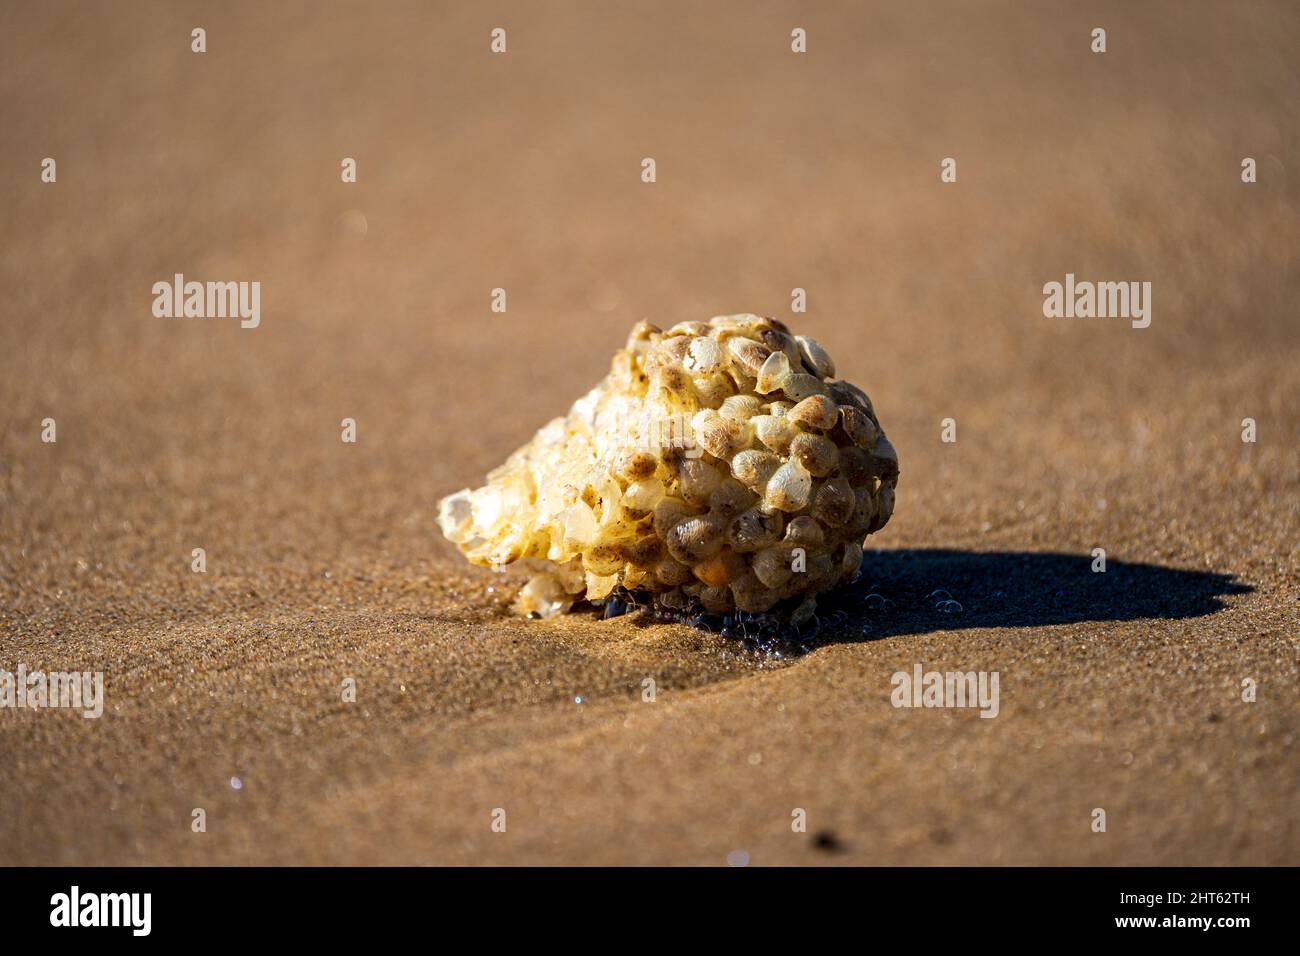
point(828, 841)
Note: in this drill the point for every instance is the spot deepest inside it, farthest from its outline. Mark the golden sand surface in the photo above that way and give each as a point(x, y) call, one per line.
point(1120, 691)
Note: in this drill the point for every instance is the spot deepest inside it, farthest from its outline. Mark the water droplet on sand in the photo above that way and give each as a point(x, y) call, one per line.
point(877, 602)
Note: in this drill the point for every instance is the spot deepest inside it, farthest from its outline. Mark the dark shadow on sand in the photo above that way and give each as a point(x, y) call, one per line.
point(1018, 589)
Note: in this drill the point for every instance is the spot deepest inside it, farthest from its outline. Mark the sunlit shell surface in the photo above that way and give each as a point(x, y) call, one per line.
point(718, 465)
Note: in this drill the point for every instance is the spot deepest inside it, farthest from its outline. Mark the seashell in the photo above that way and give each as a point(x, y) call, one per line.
point(753, 468)
point(724, 438)
point(801, 385)
point(815, 358)
point(696, 539)
point(789, 488)
point(773, 374)
point(833, 502)
point(775, 432)
point(753, 530)
point(641, 497)
point(730, 498)
point(816, 453)
point(747, 355)
point(715, 466)
point(815, 411)
point(858, 427)
point(704, 355)
point(773, 566)
point(696, 481)
point(740, 408)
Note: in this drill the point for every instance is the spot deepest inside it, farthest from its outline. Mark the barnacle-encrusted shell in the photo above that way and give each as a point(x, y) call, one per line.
point(716, 464)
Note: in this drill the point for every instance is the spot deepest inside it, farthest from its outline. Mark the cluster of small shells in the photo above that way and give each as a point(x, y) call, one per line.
point(719, 464)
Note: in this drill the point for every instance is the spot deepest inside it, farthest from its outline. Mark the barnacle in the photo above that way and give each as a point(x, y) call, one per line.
point(718, 465)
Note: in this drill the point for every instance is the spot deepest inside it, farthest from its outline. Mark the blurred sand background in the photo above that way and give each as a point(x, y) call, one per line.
point(775, 170)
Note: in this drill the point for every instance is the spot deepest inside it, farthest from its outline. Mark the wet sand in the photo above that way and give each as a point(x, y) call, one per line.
point(1120, 691)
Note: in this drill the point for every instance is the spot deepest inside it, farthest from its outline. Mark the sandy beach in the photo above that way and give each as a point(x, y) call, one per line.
point(1120, 691)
